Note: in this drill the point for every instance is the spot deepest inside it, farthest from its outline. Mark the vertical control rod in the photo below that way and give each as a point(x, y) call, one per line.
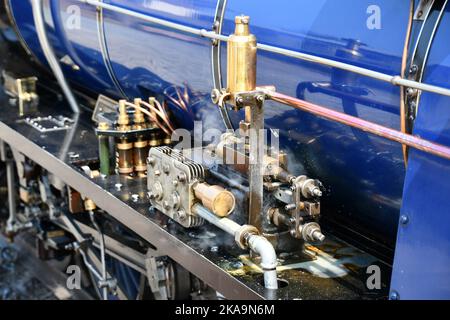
point(241, 78)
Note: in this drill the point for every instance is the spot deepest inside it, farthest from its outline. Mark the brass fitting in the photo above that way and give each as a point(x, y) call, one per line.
point(139, 119)
point(125, 156)
point(103, 126)
point(215, 198)
point(123, 120)
point(89, 205)
point(140, 151)
point(241, 58)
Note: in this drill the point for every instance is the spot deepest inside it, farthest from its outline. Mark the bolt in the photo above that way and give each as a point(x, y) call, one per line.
point(151, 161)
point(317, 235)
point(181, 215)
point(166, 205)
point(404, 219)
point(166, 169)
point(394, 295)
point(411, 91)
point(181, 177)
point(413, 69)
point(316, 192)
point(239, 101)
point(290, 206)
point(135, 197)
point(118, 186)
point(73, 155)
point(214, 249)
point(260, 98)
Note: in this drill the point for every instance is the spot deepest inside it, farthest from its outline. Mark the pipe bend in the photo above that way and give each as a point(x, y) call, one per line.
point(265, 249)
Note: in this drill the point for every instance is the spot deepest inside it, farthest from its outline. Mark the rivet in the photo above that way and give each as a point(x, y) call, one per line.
point(404, 219)
point(394, 295)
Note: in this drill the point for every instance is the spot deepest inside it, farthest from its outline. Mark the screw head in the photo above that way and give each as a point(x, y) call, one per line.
point(181, 215)
point(215, 96)
point(181, 177)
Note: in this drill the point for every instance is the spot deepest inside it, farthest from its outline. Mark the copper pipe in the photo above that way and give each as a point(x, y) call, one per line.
point(366, 126)
point(152, 117)
point(402, 89)
point(158, 110)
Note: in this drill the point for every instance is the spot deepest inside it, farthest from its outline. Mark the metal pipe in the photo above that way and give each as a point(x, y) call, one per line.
point(227, 225)
point(230, 182)
point(367, 126)
point(12, 219)
point(50, 55)
point(256, 243)
point(265, 250)
point(102, 254)
point(396, 80)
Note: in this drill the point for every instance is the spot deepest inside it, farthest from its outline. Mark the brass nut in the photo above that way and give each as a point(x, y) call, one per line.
point(103, 126)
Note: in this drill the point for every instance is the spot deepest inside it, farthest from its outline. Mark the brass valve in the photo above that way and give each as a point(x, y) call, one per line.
point(241, 64)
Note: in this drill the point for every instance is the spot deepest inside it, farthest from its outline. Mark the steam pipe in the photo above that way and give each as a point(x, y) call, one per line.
point(50, 55)
point(366, 126)
point(256, 243)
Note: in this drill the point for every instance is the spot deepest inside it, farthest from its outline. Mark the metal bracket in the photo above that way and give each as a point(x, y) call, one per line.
point(22, 92)
point(216, 58)
point(429, 13)
point(50, 123)
point(423, 9)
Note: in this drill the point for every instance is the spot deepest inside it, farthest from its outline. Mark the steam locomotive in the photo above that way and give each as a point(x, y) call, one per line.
point(191, 149)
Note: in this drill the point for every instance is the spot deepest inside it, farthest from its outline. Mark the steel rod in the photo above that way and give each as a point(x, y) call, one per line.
point(367, 126)
point(396, 80)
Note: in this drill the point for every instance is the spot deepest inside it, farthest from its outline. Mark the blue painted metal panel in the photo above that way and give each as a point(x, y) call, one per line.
point(422, 256)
